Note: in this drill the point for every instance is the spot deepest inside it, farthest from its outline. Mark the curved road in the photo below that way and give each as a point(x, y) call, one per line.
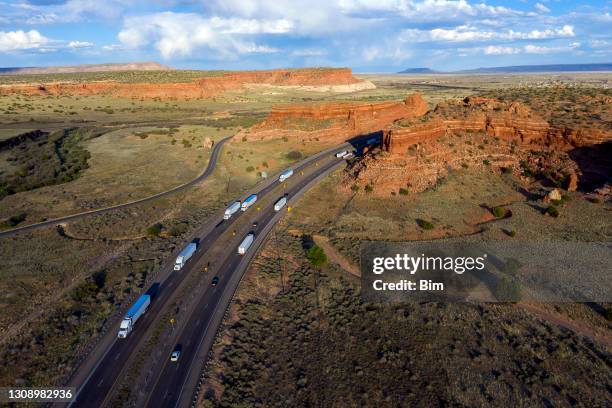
point(207, 172)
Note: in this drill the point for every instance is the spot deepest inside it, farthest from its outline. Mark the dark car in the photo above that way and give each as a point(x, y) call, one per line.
point(215, 281)
point(255, 224)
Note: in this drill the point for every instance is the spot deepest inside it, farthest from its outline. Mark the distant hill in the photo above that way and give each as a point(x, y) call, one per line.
point(132, 66)
point(518, 69)
point(418, 71)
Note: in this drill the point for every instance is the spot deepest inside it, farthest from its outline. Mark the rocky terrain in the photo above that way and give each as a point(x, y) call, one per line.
point(419, 145)
point(204, 87)
point(337, 121)
point(504, 136)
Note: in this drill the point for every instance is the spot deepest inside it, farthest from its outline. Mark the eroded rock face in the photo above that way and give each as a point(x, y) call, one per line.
point(201, 88)
point(479, 132)
point(338, 120)
point(506, 121)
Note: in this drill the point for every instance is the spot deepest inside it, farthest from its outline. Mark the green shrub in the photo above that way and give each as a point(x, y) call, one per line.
point(500, 212)
point(17, 219)
point(368, 188)
point(316, 256)
point(403, 191)
point(250, 169)
point(426, 225)
point(154, 229)
point(179, 229)
point(552, 211)
point(294, 155)
point(355, 187)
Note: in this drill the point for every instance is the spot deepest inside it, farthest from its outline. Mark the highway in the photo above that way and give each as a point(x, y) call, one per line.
point(212, 163)
point(175, 384)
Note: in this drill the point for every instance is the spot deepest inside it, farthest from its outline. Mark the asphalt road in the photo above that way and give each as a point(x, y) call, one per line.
point(207, 172)
point(170, 384)
point(176, 383)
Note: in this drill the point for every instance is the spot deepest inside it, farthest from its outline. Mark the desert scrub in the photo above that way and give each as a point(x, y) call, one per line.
point(316, 256)
point(424, 224)
point(155, 229)
point(403, 191)
point(552, 211)
point(508, 290)
point(294, 155)
point(500, 212)
point(45, 159)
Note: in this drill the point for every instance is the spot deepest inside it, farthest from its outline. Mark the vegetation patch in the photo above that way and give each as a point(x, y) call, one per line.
point(51, 158)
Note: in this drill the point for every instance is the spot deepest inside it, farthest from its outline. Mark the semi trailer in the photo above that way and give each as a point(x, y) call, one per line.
point(285, 175)
point(132, 316)
point(246, 244)
point(231, 210)
point(280, 203)
point(184, 256)
point(250, 200)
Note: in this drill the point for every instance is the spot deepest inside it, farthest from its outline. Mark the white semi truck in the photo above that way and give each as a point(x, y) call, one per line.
point(132, 316)
point(246, 244)
point(184, 256)
point(250, 200)
point(285, 175)
point(280, 204)
point(231, 210)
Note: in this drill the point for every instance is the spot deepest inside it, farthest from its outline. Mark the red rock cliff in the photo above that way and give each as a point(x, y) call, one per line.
point(200, 88)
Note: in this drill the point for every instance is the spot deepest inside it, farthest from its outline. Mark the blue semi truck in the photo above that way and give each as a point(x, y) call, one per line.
point(132, 316)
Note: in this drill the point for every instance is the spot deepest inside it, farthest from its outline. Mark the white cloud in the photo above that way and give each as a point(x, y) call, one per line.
point(470, 33)
point(541, 8)
point(183, 34)
point(80, 44)
point(526, 49)
point(500, 50)
point(21, 40)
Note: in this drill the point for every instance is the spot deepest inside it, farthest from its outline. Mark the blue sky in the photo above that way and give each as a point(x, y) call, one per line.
point(367, 35)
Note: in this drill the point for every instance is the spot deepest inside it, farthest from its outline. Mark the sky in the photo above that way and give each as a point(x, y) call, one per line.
point(366, 35)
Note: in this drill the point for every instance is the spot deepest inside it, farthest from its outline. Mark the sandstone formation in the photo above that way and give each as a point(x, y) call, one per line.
point(508, 121)
point(478, 132)
point(336, 121)
point(201, 88)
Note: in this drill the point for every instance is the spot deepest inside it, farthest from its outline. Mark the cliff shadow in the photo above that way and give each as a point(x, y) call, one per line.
point(595, 163)
point(368, 140)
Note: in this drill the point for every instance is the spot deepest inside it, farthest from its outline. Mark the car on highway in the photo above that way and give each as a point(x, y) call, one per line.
point(255, 224)
point(176, 353)
point(215, 281)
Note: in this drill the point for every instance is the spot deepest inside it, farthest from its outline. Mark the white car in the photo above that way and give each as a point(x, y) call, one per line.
point(175, 355)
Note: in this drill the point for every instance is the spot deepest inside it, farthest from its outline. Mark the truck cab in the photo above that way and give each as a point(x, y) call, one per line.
point(125, 328)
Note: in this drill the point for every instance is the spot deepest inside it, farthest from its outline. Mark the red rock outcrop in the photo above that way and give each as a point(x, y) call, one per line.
point(200, 88)
point(339, 120)
point(506, 121)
